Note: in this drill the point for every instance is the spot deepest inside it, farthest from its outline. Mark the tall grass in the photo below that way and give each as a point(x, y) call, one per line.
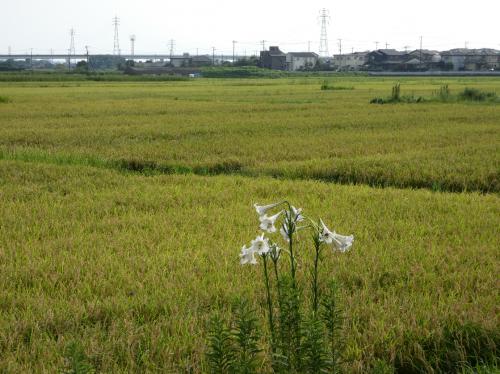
point(130, 267)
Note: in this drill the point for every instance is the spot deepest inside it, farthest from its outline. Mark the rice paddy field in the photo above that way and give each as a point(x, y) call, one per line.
point(124, 205)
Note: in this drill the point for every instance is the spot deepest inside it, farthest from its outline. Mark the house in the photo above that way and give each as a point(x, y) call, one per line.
point(472, 59)
point(273, 59)
point(351, 61)
point(301, 60)
point(386, 59)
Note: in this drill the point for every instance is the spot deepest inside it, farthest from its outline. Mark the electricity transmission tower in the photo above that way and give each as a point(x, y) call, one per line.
point(324, 18)
point(116, 42)
point(132, 45)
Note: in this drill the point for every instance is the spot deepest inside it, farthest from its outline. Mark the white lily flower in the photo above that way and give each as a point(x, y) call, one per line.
point(262, 209)
point(325, 236)
point(296, 214)
point(247, 256)
point(340, 242)
point(284, 234)
point(260, 245)
point(267, 223)
point(275, 252)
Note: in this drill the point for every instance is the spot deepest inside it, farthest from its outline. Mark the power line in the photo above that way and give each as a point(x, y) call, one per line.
point(263, 43)
point(116, 41)
point(324, 16)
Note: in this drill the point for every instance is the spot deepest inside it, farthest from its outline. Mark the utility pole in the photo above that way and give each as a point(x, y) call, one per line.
point(31, 59)
point(71, 44)
point(132, 45)
point(116, 41)
point(196, 51)
point(87, 55)
point(324, 17)
point(234, 46)
point(172, 45)
point(420, 54)
point(213, 56)
point(263, 42)
point(376, 46)
point(340, 53)
point(466, 45)
point(387, 45)
point(406, 48)
point(69, 60)
point(51, 56)
point(10, 50)
point(309, 46)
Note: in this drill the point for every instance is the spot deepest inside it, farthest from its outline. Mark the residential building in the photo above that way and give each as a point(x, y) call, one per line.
point(273, 59)
point(351, 61)
point(386, 59)
point(301, 60)
point(472, 59)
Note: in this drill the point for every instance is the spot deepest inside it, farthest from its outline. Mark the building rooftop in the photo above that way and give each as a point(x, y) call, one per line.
point(390, 52)
point(303, 54)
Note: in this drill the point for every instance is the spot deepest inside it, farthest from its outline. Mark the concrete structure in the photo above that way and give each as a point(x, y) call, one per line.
point(273, 59)
point(351, 61)
point(301, 60)
point(187, 60)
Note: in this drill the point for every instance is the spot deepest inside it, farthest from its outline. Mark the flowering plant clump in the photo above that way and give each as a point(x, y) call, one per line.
point(300, 340)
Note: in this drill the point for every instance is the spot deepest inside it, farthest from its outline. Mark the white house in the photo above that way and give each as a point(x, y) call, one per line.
point(301, 60)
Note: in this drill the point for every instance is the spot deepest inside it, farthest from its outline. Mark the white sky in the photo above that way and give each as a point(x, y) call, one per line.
point(444, 24)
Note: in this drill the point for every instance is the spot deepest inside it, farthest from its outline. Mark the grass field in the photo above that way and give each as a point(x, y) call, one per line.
point(124, 206)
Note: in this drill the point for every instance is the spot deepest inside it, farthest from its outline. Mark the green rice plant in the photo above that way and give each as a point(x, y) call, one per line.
point(76, 360)
point(4, 99)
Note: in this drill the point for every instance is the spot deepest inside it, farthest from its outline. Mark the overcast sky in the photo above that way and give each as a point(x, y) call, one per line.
point(443, 24)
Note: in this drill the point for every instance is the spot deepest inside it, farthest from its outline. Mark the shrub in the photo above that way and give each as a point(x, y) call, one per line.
point(474, 94)
point(4, 99)
point(326, 86)
point(396, 97)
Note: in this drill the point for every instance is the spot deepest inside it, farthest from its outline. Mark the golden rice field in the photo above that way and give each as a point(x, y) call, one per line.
point(124, 205)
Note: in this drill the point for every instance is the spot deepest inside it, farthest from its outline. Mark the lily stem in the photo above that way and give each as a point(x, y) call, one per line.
point(269, 304)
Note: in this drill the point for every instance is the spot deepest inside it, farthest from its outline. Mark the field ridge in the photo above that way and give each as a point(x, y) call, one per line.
point(150, 167)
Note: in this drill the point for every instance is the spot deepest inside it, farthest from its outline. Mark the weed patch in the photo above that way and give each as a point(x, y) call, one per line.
point(328, 86)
